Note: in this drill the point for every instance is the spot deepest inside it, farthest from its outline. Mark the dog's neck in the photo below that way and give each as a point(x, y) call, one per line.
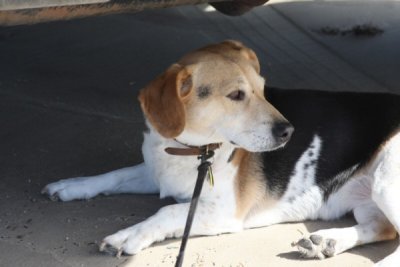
point(190, 150)
point(222, 154)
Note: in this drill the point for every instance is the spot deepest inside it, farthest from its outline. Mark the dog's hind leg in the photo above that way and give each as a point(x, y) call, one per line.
point(386, 190)
point(126, 180)
point(372, 227)
point(375, 195)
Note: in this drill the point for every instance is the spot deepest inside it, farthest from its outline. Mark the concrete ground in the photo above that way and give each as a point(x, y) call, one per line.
point(68, 108)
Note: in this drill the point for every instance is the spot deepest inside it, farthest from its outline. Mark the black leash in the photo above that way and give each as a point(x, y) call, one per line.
point(203, 169)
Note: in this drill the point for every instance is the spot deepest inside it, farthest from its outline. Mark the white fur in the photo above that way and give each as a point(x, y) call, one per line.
point(170, 176)
point(386, 188)
point(372, 194)
point(252, 130)
point(302, 198)
point(126, 180)
point(175, 176)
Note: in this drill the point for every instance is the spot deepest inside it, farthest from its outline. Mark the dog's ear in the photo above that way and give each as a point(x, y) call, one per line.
point(245, 52)
point(162, 100)
point(252, 57)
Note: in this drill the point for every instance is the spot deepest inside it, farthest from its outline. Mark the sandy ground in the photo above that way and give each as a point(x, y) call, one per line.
point(68, 108)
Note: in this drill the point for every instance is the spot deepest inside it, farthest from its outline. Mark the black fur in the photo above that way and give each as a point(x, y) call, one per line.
point(351, 126)
point(232, 155)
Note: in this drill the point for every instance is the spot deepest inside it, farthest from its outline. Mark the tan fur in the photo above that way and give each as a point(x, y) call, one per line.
point(170, 111)
point(387, 232)
point(216, 95)
point(162, 100)
point(232, 50)
point(171, 106)
point(249, 182)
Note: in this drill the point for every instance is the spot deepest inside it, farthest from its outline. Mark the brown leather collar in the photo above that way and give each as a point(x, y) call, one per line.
point(192, 150)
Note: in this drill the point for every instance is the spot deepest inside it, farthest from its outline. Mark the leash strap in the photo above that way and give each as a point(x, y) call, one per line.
point(203, 169)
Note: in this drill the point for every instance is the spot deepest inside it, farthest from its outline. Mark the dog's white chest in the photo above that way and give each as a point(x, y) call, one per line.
point(176, 175)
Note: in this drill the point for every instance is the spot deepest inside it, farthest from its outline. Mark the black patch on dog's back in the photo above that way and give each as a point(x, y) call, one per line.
point(351, 126)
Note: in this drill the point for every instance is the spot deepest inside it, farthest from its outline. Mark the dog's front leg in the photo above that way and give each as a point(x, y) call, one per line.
point(126, 180)
point(169, 222)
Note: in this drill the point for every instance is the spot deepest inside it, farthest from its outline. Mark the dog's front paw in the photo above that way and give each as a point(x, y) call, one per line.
point(316, 247)
point(128, 241)
point(70, 189)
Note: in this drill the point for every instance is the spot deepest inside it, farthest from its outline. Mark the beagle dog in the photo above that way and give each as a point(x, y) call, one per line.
point(344, 157)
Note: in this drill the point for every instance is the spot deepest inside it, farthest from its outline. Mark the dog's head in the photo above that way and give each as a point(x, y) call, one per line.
point(215, 94)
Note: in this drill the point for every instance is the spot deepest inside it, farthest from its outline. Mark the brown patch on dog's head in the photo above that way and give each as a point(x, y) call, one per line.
point(214, 94)
point(162, 100)
point(234, 51)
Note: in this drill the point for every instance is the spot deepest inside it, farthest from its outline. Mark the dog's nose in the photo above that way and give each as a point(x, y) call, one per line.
point(282, 131)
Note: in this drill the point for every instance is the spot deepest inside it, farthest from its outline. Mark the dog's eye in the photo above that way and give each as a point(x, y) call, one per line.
point(236, 95)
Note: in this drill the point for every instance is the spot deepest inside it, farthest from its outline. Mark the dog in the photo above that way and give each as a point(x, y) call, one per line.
point(343, 157)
